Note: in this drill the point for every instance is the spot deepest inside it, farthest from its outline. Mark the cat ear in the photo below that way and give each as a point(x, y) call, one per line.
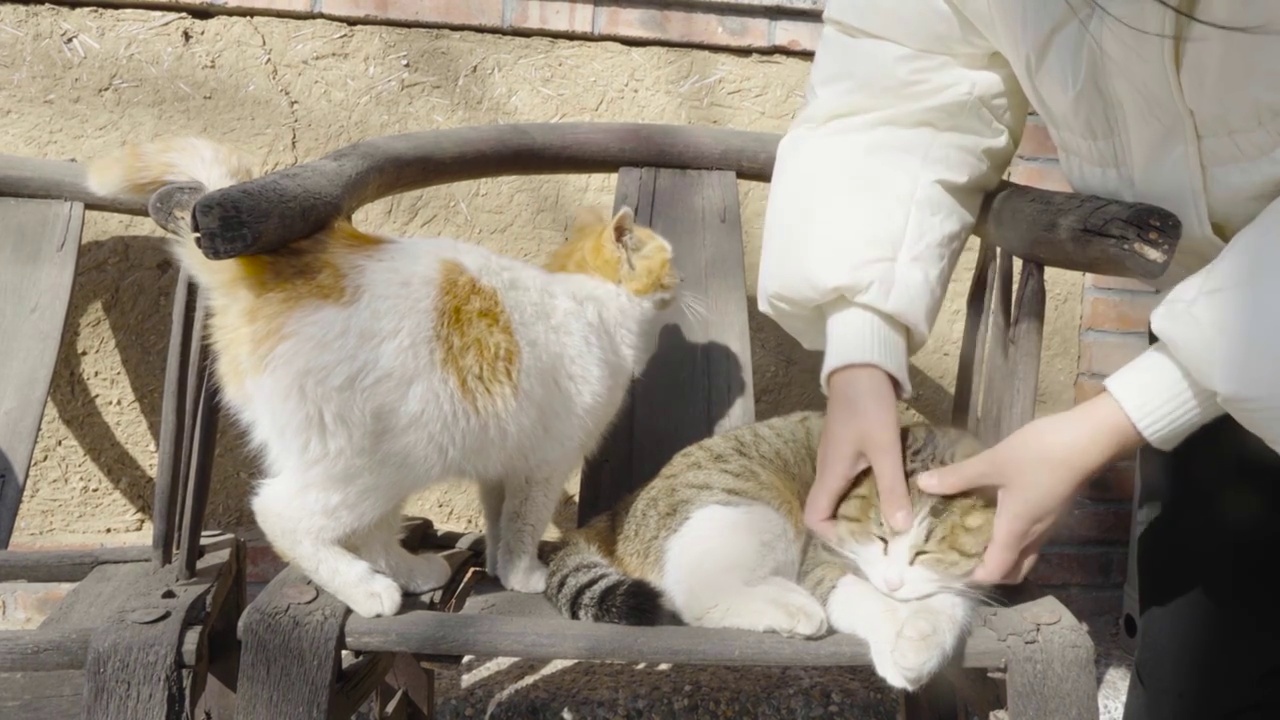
point(623, 226)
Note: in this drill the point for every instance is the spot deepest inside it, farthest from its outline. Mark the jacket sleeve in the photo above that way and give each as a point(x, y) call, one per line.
point(911, 118)
point(1219, 348)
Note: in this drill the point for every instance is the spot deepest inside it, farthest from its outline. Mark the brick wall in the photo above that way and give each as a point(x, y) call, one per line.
point(1086, 563)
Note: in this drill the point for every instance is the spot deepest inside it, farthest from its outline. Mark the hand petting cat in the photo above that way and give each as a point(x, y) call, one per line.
point(862, 430)
point(1037, 471)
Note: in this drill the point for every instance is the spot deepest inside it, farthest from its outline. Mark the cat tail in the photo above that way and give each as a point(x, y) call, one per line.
point(139, 169)
point(584, 585)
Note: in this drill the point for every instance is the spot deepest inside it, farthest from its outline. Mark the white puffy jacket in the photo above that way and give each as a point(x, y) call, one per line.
point(915, 109)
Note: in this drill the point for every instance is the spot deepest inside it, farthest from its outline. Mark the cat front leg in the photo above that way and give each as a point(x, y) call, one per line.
point(415, 574)
point(310, 526)
point(527, 508)
point(931, 630)
point(492, 495)
point(856, 607)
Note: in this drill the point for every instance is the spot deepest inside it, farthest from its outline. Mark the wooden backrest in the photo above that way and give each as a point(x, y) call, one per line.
point(39, 244)
point(698, 381)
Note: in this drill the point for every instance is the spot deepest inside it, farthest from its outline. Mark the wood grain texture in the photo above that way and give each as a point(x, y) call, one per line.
point(1051, 671)
point(133, 667)
point(1069, 230)
point(63, 565)
point(498, 623)
point(699, 380)
point(41, 695)
point(39, 244)
point(289, 658)
point(172, 442)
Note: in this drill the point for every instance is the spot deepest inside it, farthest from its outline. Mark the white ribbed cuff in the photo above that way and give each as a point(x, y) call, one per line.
point(1161, 399)
point(858, 335)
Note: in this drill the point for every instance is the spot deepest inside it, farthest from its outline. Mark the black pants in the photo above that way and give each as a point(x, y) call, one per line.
point(1208, 645)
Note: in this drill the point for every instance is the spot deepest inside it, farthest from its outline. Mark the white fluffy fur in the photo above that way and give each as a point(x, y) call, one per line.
point(737, 566)
point(353, 414)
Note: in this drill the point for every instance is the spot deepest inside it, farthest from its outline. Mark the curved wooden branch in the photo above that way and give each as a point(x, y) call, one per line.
point(1067, 230)
point(248, 219)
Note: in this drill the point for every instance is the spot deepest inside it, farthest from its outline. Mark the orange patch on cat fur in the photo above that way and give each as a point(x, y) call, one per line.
point(269, 288)
point(474, 338)
point(617, 250)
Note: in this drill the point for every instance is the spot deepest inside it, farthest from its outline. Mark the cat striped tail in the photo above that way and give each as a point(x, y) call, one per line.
point(584, 585)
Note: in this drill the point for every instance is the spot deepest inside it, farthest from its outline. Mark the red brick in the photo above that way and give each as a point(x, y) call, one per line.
point(797, 35)
point(290, 7)
point(1101, 566)
point(1115, 482)
point(459, 13)
point(1036, 142)
point(262, 562)
point(1087, 387)
point(569, 16)
point(1090, 604)
point(1095, 522)
point(682, 26)
point(1117, 310)
point(1109, 282)
point(1047, 175)
point(1102, 353)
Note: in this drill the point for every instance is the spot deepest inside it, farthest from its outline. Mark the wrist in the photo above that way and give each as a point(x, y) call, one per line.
point(1109, 432)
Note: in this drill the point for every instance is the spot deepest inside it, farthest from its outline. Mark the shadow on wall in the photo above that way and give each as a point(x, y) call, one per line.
point(137, 301)
point(786, 375)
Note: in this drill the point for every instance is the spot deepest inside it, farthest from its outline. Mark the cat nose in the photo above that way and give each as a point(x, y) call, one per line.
point(892, 583)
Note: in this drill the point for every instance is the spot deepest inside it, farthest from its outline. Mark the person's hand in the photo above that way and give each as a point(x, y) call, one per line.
point(1037, 471)
point(861, 430)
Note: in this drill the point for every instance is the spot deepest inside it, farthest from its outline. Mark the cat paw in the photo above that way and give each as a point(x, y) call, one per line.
point(919, 650)
point(377, 596)
point(526, 577)
point(418, 574)
point(799, 616)
point(781, 608)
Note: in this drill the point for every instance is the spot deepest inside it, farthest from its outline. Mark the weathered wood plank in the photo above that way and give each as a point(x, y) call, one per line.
point(98, 598)
point(39, 244)
point(995, 370)
point(973, 345)
point(41, 695)
point(497, 623)
point(1051, 670)
point(698, 381)
point(40, 651)
point(64, 565)
point(1026, 341)
point(290, 651)
point(133, 668)
point(171, 445)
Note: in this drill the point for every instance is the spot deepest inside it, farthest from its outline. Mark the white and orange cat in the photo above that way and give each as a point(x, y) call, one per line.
point(366, 368)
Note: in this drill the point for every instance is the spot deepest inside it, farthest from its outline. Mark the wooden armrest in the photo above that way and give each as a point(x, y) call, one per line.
point(1067, 230)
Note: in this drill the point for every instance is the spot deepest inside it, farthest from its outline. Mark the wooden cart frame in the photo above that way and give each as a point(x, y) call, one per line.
point(1034, 660)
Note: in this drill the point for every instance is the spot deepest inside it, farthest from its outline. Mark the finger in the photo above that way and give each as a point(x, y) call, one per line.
point(1024, 568)
point(891, 485)
point(1003, 555)
point(964, 475)
point(824, 497)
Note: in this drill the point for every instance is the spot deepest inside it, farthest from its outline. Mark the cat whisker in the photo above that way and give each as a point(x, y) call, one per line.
point(695, 306)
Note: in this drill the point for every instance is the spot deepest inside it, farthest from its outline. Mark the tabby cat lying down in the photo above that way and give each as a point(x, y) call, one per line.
point(718, 538)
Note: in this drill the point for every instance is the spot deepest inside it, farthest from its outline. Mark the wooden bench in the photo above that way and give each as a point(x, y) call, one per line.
point(148, 632)
point(1033, 660)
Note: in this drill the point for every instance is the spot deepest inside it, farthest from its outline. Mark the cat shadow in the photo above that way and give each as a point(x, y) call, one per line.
point(132, 280)
point(684, 393)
